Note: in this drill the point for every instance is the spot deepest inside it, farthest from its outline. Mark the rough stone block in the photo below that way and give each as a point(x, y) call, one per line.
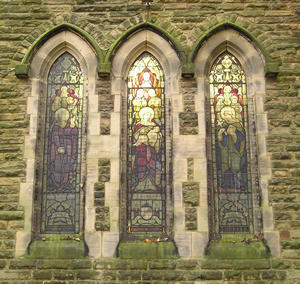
point(204, 275)
point(130, 275)
point(42, 275)
point(162, 264)
point(2, 263)
point(251, 275)
point(187, 264)
point(15, 275)
point(191, 193)
point(144, 250)
point(22, 264)
point(88, 275)
point(64, 275)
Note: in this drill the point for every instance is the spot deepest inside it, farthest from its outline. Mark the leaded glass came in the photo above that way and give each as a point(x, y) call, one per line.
point(146, 146)
point(62, 152)
point(230, 147)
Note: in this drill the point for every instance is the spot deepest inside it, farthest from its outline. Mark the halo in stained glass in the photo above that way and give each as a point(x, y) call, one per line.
point(146, 146)
point(230, 155)
point(62, 152)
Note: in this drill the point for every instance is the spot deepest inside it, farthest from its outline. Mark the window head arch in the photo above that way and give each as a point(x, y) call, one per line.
point(146, 149)
point(232, 188)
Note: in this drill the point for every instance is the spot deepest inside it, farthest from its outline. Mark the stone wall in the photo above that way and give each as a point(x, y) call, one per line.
point(155, 271)
point(271, 26)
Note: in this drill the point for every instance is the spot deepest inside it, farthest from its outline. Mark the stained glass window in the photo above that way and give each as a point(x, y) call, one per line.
point(62, 152)
point(146, 146)
point(230, 146)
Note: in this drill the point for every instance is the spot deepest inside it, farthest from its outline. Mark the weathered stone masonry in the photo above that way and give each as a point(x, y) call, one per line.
point(272, 27)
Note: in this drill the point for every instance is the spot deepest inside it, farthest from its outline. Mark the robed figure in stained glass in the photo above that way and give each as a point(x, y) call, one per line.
point(232, 183)
point(61, 182)
point(146, 146)
point(146, 151)
point(64, 141)
point(231, 139)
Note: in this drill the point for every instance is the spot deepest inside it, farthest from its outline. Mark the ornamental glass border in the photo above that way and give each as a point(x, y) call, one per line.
point(230, 149)
point(146, 147)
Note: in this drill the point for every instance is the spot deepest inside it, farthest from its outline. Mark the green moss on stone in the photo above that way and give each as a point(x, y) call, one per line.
point(104, 69)
point(188, 70)
point(146, 25)
point(63, 26)
point(42, 275)
point(21, 70)
point(272, 66)
point(105, 130)
point(2, 264)
point(251, 275)
point(11, 215)
point(102, 226)
point(191, 193)
point(233, 275)
point(226, 249)
point(191, 226)
point(99, 186)
point(143, 250)
point(57, 249)
point(22, 263)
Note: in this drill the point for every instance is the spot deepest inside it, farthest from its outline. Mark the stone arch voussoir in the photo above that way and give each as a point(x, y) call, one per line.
point(39, 36)
point(226, 21)
point(138, 23)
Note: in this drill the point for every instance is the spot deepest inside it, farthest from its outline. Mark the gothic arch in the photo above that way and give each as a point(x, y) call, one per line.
point(41, 61)
point(145, 40)
point(253, 64)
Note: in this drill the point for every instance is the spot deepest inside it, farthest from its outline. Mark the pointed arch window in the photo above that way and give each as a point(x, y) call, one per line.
point(62, 147)
point(146, 147)
point(230, 155)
